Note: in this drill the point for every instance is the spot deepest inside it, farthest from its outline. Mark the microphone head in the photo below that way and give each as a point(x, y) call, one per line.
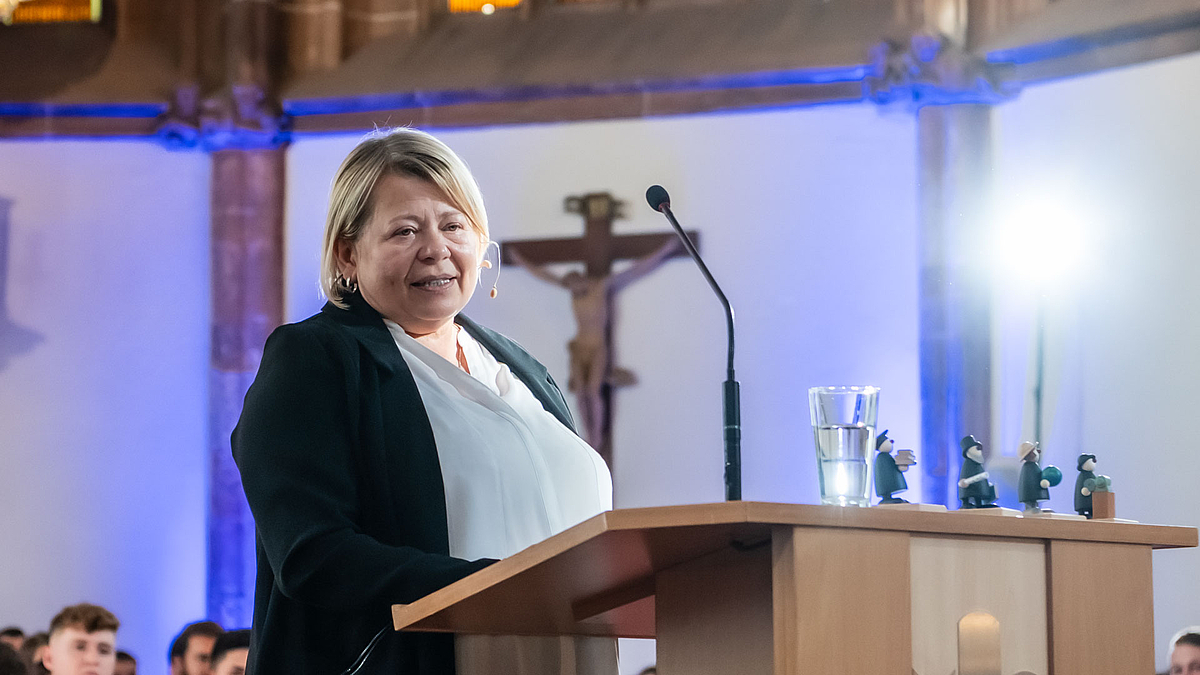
point(658, 198)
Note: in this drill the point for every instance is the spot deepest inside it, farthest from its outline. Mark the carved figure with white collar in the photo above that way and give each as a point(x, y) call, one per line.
point(974, 489)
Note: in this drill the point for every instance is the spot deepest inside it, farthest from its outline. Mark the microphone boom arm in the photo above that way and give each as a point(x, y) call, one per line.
point(691, 249)
point(731, 390)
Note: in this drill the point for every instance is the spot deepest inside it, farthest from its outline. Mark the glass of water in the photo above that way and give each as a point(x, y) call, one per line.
point(843, 421)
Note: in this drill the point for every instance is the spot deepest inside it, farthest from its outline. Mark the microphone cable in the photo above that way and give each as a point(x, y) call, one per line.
point(366, 653)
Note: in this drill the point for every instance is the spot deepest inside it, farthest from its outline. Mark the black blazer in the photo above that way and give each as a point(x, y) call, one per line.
point(339, 466)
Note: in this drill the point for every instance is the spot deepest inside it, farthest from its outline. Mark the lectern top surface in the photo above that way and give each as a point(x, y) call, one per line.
point(597, 578)
point(961, 522)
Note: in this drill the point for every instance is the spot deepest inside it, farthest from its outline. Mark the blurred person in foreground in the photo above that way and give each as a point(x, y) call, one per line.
point(83, 641)
point(34, 650)
point(11, 661)
point(13, 637)
point(390, 446)
point(1185, 652)
point(229, 653)
point(126, 664)
point(191, 649)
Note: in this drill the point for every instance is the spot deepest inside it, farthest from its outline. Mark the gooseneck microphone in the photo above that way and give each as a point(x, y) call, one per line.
point(660, 201)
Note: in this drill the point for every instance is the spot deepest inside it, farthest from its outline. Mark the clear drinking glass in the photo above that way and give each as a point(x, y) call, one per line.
point(843, 421)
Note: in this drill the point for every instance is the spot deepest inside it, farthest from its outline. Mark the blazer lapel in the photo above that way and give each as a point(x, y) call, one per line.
point(400, 438)
point(366, 325)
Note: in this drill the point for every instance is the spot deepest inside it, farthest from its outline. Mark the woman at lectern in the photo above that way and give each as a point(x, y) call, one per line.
point(390, 446)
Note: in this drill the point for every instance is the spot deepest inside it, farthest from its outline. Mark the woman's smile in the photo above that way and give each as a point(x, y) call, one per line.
point(418, 257)
point(434, 283)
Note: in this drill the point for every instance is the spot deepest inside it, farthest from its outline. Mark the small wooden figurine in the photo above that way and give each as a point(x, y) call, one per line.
point(889, 470)
point(1083, 492)
point(1104, 503)
point(1034, 483)
point(974, 489)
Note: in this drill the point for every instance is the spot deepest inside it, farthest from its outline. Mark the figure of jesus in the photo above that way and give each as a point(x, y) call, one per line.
point(591, 348)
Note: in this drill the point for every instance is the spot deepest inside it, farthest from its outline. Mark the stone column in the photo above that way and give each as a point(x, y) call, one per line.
point(954, 155)
point(952, 92)
point(247, 304)
point(242, 128)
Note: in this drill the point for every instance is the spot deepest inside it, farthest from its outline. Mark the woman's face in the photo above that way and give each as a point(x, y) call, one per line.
point(417, 259)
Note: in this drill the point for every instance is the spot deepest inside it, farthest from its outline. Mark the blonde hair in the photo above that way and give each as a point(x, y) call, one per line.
point(402, 151)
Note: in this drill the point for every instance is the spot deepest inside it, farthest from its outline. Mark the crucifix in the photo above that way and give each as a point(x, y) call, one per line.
point(593, 375)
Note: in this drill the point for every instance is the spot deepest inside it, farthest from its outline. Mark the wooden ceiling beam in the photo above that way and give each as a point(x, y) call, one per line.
point(580, 108)
point(1075, 60)
point(1083, 20)
point(23, 126)
point(1072, 38)
point(410, 62)
point(311, 33)
point(368, 20)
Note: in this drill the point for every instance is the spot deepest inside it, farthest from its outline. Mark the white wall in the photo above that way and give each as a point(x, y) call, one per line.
point(103, 419)
point(807, 218)
point(1123, 338)
point(763, 188)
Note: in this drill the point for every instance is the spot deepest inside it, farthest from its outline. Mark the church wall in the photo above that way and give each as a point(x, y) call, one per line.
point(103, 385)
point(1120, 148)
point(807, 218)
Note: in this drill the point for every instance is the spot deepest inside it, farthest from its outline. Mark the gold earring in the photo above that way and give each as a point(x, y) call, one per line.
point(345, 284)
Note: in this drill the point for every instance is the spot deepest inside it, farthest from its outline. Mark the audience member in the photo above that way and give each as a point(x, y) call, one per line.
point(1185, 652)
point(11, 662)
point(229, 653)
point(192, 648)
point(13, 637)
point(126, 664)
point(83, 639)
point(34, 650)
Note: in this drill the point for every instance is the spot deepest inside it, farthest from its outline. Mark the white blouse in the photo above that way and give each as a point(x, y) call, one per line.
point(514, 475)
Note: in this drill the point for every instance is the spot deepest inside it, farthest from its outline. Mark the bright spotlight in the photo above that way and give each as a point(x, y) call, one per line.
point(1040, 243)
point(488, 8)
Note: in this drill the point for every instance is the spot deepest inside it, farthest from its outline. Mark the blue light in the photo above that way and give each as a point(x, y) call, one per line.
point(378, 102)
point(43, 109)
point(1058, 49)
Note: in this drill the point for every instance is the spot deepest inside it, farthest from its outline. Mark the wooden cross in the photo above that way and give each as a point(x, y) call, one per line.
point(598, 248)
point(593, 375)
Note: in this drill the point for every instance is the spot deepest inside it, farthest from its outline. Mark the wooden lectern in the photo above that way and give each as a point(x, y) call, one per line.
point(746, 588)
